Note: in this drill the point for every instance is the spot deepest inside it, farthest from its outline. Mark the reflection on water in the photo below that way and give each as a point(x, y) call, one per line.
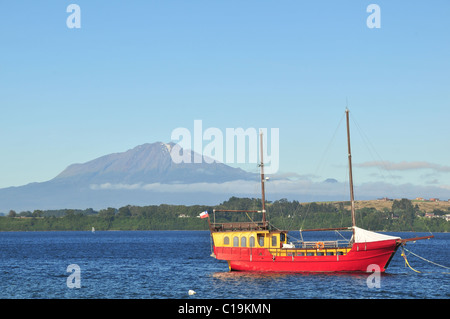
point(236, 284)
point(242, 275)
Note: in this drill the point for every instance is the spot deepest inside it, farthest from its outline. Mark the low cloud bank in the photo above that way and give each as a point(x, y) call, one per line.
point(290, 189)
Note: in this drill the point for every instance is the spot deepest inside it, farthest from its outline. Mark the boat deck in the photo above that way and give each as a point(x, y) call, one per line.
point(293, 252)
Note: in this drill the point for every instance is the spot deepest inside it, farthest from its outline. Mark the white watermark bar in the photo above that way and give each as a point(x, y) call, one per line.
point(374, 280)
point(74, 279)
point(235, 146)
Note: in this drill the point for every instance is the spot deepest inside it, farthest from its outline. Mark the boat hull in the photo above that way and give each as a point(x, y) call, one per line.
point(360, 258)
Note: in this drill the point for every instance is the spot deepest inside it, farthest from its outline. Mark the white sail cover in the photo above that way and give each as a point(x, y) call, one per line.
point(366, 236)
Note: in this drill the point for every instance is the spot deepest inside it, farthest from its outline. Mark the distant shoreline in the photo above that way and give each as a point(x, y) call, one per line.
point(189, 230)
point(376, 215)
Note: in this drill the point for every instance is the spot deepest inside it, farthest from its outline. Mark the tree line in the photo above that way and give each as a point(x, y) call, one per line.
point(283, 214)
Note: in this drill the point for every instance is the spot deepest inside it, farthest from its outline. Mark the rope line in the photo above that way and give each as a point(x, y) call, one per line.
point(406, 261)
point(422, 259)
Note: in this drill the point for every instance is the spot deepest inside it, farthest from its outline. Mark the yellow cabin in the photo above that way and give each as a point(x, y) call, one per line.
point(250, 239)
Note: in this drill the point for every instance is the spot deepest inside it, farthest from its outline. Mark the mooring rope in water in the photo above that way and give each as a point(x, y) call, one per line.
point(407, 263)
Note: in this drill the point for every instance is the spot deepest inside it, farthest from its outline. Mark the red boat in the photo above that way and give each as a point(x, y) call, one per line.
point(255, 246)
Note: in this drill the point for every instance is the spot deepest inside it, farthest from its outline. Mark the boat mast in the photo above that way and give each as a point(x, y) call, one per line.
point(352, 197)
point(263, 195)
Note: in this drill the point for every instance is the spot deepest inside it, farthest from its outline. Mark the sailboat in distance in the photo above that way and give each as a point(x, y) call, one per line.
point(257, 246)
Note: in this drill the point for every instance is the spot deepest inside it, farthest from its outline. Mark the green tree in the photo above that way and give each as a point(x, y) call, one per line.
point(107, 213)
point(124, 211)
point(37, 213)
point(25, 214)
point(406, 212)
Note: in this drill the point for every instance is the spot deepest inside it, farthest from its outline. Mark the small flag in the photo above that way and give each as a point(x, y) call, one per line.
point(204, 214)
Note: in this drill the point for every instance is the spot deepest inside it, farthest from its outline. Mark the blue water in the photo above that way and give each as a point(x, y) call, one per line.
point(166, 264)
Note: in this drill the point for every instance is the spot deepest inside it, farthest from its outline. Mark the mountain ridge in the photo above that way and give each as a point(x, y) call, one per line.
point(146, 164)
point(149, 163)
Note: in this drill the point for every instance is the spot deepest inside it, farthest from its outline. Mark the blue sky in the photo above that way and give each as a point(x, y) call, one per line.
point(136, 70)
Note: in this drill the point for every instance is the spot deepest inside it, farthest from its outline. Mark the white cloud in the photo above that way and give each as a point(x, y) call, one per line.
point(234, 186)
point(115, 186)
point(292, 189)
point(404, 165)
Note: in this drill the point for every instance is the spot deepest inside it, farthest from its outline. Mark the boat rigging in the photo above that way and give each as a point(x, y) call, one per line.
point(255, 246)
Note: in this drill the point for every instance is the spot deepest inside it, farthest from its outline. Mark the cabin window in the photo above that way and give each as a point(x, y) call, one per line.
point(274, 241)
point(261, 240)
point(226, 240)
point(282, 237)
point(252, 241)
point(244, 242)
point(235, 241)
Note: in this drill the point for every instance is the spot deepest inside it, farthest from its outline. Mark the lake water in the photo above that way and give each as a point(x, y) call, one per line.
point(167, 264)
